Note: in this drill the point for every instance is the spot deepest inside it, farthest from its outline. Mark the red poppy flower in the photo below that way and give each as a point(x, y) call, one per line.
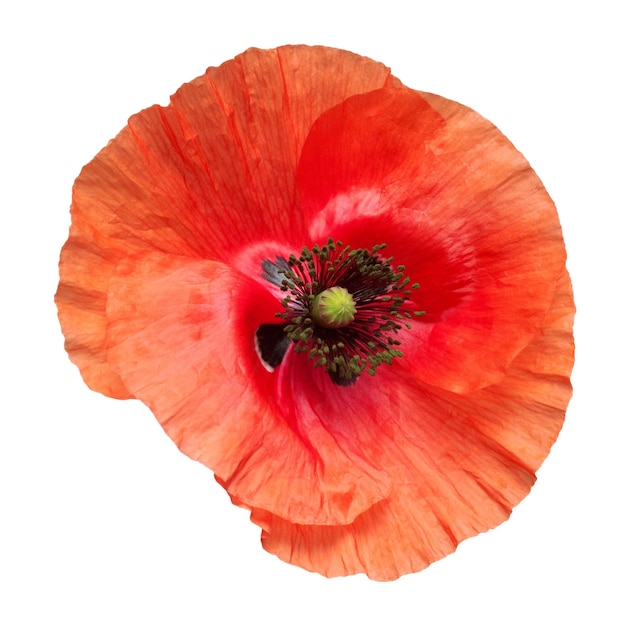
point(240, 259)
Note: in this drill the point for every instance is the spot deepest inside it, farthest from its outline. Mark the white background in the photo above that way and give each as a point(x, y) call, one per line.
point(102, 520)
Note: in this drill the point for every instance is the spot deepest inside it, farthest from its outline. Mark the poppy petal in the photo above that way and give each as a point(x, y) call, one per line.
point(181, 335)
point(473, 459)
point(177, 289)
point(440, 185)
point(204, 177)
point(81, 304)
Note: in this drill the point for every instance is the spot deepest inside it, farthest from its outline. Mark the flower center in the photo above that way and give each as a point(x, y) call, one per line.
point(333, 308)
point(343, 307)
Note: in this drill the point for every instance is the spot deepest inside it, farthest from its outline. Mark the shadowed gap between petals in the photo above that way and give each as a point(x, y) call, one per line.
point(81, 298)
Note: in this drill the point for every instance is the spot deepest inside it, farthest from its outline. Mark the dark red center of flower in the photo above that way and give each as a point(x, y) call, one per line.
point(343, 307)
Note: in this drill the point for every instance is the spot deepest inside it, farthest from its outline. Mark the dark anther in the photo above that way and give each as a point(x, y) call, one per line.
point(271, 270)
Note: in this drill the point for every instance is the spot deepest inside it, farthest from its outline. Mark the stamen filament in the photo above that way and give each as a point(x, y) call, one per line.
point(345, 307)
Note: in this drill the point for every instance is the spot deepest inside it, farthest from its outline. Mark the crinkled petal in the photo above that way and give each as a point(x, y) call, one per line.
point(164, 283)
point(181, 336)
point(204, 177)
point(81, 303)
point(463, 462)
point(458, 206)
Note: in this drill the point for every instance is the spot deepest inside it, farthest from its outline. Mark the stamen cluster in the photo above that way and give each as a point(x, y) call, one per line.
point(379, 292)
